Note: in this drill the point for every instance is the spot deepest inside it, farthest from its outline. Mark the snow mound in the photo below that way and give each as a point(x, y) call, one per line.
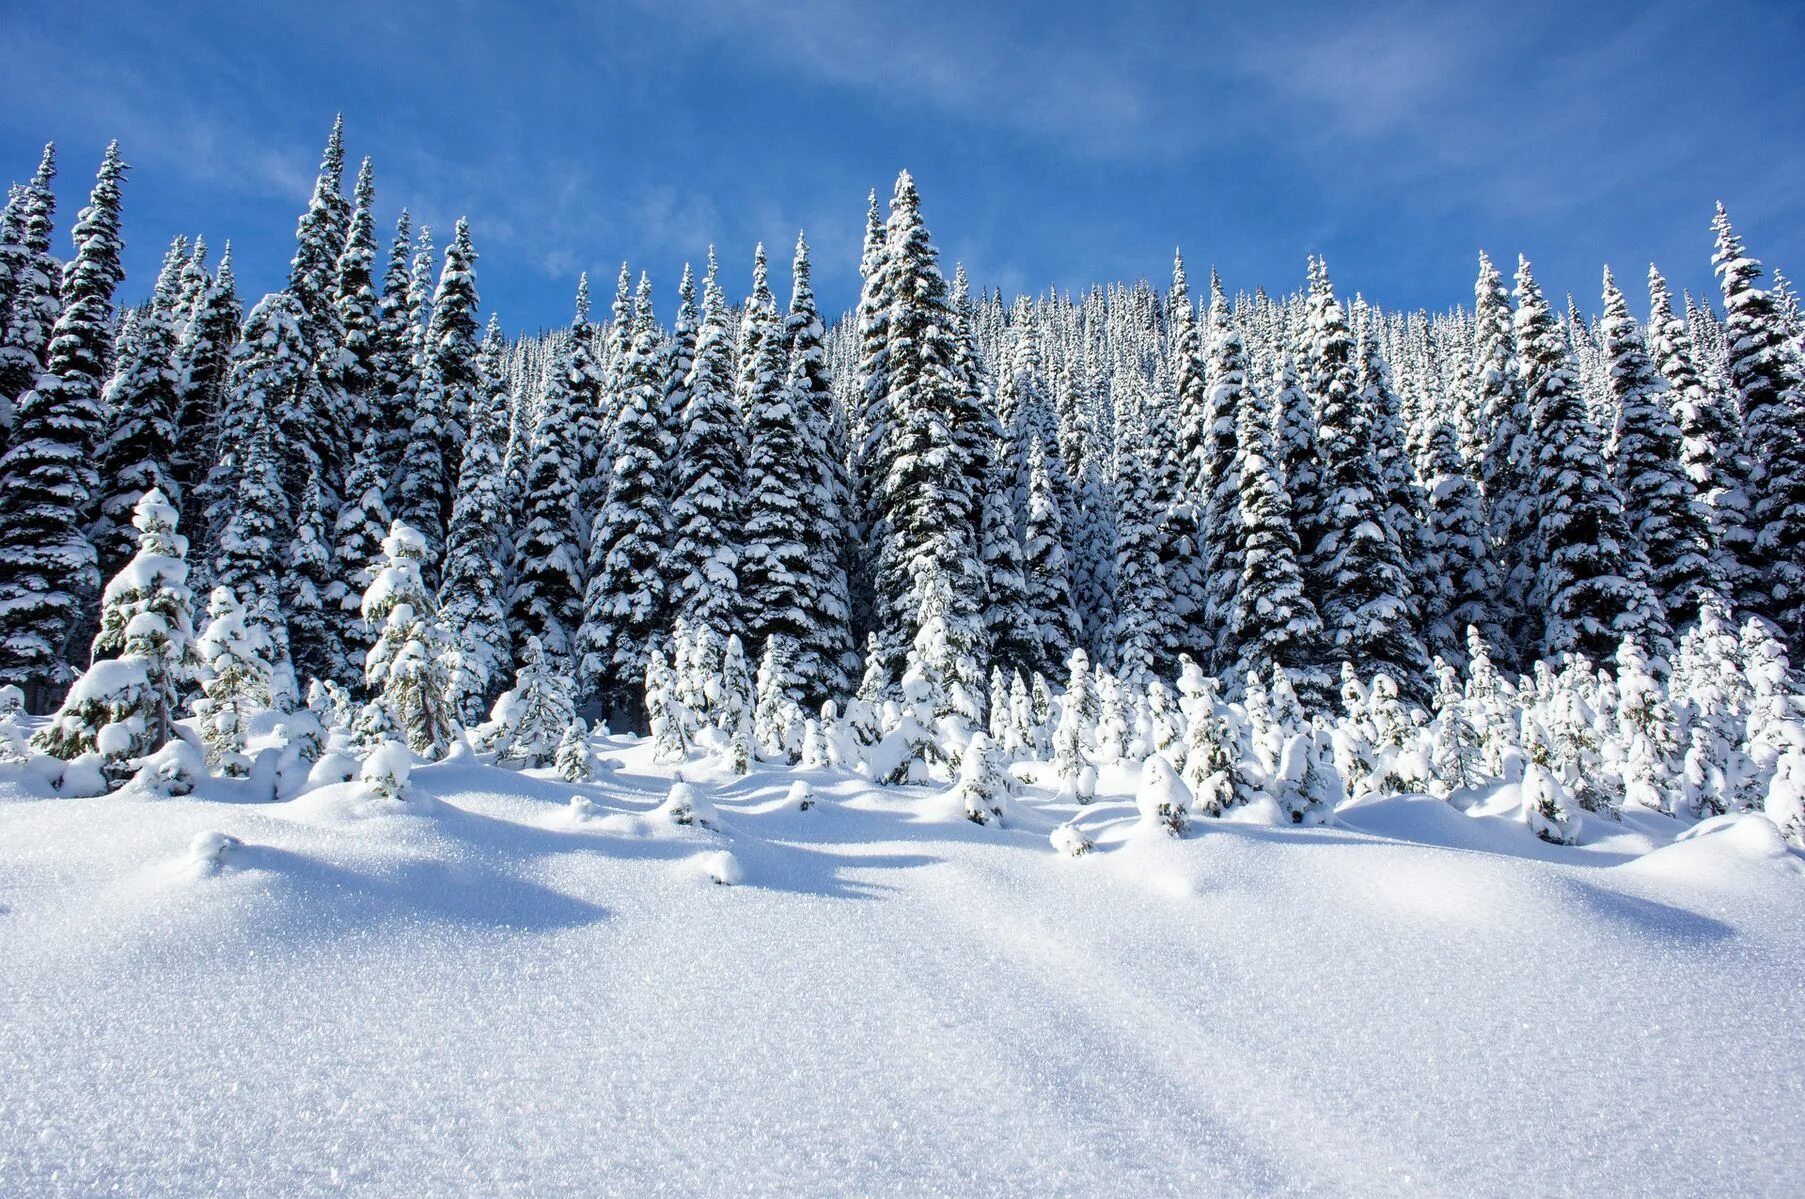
point(1722, 852)
point(718, 866)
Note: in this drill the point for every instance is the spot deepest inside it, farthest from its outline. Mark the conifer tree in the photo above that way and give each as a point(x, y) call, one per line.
point(1460, 580)
point(249, 559)
point(449, 387)
point(825, 653)
point(236, 654)
point(1710, 434)
point(203, 363)
point(624, 605)
point(793, 578)
point(1365, 609)
point(357, 532)
point(314, 642)
point(32, 300)
point(354, 295)
point(147, 608)
point(1140, 593)
point(1046, 569)
point(470, 598)
point(46, 478)
point(1503, 458)
point(547, 599)
point(137, 455)
point(392, 359)
point(1272, 622)
point(1666, 525)
point(923, 508)
point(1183, 552)
point(1772, 400)
point(1586, 589)
point(406, 666)
point(1219, 533)
point(705, 583)
point(319, 239)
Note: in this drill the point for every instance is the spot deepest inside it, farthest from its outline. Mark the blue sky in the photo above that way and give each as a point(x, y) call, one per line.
point(1055, 144)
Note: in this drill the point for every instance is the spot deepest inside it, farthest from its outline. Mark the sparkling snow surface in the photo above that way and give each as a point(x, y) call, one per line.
point(491, 990)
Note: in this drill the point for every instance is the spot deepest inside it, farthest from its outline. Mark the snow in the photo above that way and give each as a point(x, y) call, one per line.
point(496, 988)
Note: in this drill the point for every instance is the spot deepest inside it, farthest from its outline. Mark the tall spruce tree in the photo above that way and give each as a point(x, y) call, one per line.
point(1366, 607)
point(624, 605)
point(1710, 437)
point(1665, 518)
point(1272, 621)
point(924, 509)
point(1588, 590)
point(705, 583)
point(1772, 399)
point(33, 292)
point(1503, 457)
point(449, 388)
point(547, 599)
point(470, 599)
point(47, 569)
point(138, 454)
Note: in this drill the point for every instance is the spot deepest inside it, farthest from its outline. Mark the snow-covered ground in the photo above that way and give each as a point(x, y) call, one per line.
point(491, 990)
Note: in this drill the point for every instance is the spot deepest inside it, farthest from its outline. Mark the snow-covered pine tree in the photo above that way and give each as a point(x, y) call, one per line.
point(1141, 598)
point(203, 364)
point(547, 599)
point(1219, 533)
point(1772, 400)
point(235, 682)
point(354, 297)
point(1710, 434)
point(1590, 588)
point(528, 722)
point(1502, 455)
point(624, 605)
point(357, 532)
point(1366, 606)
point(406, 665)
point(1183, 546)
point(1046, 569)
point(470, 597)
point(1460, 582)
point(47, 567)
point(319, 239)
point(32, 298)
point(249, 558)
point(137, 455)
point(1665, 518)
point(706, 493)
point(392, 360)
point(924, 509)
point(314, 631)
point(449, 388)
point(825, 650)
point(1272, 622)
point(147, 608)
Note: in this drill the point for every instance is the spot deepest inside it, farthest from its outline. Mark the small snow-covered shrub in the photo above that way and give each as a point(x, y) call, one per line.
point(173, 770)
point(1546, 807)
point(1070, 840)
point(1785, 804)
point(982, 788)
point(801, 796)
point(385, 772)
point(1162, 797)
point(685, 805)
point(573, 760)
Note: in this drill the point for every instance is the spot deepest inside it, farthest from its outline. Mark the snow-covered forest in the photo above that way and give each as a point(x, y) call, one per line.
point(1172, 739)
point(1293, 548)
